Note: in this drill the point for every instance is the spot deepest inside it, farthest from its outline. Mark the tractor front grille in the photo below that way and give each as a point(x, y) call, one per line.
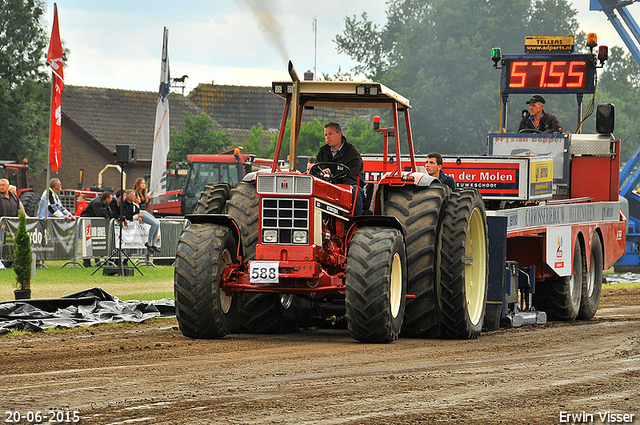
point(285, 216)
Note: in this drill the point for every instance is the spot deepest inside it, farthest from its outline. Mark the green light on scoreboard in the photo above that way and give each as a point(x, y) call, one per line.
point(495, 56)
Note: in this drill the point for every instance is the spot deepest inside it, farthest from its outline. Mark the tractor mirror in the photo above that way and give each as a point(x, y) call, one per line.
point(605, 118)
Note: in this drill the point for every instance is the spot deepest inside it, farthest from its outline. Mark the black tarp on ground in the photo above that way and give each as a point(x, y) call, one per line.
point(89, 307)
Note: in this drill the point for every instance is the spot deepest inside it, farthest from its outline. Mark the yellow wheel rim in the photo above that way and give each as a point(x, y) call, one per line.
point(475, 270)
point(225, 300)
point(395, 289)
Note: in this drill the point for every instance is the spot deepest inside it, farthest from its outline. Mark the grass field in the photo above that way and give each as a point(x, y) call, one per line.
point(157, 282)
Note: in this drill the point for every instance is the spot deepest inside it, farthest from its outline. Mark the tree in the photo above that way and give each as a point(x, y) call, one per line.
point(198, 136)
point(358, 131)
point(22, 255)
point(438, 51)
point(620, 85)
point(24, 83)
point(254, 144)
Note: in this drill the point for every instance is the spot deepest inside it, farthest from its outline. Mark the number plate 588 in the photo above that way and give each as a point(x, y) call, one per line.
point(264, 271)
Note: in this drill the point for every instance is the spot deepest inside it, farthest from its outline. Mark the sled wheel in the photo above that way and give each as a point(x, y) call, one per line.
point(203, 310)
point(376, 284)
point(592, 285)
point(561, 298)
point(464, 265)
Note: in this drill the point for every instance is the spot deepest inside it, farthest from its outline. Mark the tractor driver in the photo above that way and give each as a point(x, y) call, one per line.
point(537, 120)
point(338, 150)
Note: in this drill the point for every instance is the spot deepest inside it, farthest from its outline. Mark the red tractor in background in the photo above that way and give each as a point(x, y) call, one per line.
point(211, 175)
point(17, 176)
point(288, 238)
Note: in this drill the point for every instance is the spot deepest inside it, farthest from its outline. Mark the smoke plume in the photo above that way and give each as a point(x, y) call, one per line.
point(263, 11)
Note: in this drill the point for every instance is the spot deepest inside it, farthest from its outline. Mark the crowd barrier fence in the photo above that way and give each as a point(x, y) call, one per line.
point(90, 238)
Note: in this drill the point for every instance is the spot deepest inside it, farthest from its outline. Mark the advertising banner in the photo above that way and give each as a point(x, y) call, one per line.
point(51, 239)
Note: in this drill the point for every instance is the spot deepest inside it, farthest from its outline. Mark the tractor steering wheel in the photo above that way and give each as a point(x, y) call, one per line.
point(530, 130)
point(337, 170)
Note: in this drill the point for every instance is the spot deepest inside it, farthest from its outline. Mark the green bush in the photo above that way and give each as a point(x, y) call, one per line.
point(22, 255)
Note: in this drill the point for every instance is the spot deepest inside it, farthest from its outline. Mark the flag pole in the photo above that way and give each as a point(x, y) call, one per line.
point(51, 106)
point(157, 182)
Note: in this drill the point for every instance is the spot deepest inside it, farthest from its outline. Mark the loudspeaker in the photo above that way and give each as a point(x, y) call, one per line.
point(126, 154)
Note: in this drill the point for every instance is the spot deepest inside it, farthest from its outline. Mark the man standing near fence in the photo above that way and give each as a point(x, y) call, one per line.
point(56, 209)
point(9, 202)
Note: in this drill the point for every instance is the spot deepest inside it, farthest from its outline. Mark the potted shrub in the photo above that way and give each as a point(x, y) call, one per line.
point(22, 260)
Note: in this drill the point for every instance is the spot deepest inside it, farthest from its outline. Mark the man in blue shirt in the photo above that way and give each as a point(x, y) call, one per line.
point(56, 209)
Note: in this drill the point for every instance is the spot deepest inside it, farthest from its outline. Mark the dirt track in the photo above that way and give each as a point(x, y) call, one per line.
point(150, 373)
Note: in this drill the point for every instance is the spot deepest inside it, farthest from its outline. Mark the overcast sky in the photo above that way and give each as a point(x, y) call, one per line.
point(118, 44)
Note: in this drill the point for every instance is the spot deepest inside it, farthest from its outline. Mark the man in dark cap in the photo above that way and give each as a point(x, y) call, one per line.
point(538, 120)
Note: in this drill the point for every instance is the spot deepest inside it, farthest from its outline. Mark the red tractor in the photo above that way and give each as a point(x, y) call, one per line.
point(287, 239)
point(207, 177)
point(17, 176)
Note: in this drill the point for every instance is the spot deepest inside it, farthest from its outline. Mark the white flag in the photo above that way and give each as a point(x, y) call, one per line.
point(158, 182)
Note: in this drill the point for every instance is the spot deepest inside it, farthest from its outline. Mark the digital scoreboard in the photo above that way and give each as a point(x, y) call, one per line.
point(552, 73)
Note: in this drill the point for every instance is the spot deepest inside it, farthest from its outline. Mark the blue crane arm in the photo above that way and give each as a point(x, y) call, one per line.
point(609, 7)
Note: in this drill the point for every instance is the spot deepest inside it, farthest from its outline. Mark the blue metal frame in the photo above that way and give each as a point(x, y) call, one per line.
point(609, 7)
point(630, 174)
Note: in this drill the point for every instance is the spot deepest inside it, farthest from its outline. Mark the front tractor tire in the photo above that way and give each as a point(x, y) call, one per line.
point(376, 284)
point(203, 310)
point(419, 209)
point(464, 265)
point(213, 198)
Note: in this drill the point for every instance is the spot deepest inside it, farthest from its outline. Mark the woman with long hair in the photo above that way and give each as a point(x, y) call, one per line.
point(140, 189)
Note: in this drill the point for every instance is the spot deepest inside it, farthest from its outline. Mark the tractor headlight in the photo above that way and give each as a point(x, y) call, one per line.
point(300, 236)
point(270, 236)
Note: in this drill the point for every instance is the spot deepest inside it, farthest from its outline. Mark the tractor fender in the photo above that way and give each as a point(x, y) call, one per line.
point(424, 179)
point(374, 220)
point(249, 177)
point(222, 220)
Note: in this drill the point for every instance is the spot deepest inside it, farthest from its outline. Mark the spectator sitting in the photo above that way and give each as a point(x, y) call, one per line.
point(140, 189)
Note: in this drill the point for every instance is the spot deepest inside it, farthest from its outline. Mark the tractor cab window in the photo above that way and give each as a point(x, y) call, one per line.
point(23, 183)
point(12, 175)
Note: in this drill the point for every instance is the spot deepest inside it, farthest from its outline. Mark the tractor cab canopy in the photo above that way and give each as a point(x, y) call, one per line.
point(300, 95)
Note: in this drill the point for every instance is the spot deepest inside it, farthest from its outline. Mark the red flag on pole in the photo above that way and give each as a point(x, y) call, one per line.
point(54, 57)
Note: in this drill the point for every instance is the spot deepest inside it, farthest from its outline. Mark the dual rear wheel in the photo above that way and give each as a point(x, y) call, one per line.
point(446, 242)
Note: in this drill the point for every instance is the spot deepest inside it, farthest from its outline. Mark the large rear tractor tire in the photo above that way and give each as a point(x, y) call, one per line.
point(561, 298)
point(30, 201)
point(418, 209)
point(376, 284)
point(203, 310)
point(592, 285)
point(213, 198)
point(464, 265)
